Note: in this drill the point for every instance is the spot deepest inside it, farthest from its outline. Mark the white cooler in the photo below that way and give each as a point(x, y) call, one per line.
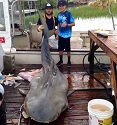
point(76, 41)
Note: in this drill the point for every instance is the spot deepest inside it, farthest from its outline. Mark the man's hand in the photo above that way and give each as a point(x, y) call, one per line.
point(40, 28)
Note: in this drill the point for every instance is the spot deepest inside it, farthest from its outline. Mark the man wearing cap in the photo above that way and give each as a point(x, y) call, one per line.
point(65, 23)
point(49, 18)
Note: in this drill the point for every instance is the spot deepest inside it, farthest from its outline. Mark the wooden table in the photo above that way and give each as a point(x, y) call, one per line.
point(109, 46)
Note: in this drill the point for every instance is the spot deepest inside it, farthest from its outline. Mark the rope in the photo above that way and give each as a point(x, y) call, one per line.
point(19, 120)
point(108, 92)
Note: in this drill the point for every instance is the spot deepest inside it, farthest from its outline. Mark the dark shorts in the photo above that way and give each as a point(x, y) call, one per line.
point(64, 44)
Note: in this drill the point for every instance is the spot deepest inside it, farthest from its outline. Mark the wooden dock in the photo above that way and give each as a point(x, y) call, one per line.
point(86, 88)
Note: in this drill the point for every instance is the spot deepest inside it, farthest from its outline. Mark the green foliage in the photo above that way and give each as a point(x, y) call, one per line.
point(87, 12)
point(78, 12)
point(41, 3)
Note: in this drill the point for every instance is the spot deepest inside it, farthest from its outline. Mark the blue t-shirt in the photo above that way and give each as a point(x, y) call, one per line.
point(65, 17)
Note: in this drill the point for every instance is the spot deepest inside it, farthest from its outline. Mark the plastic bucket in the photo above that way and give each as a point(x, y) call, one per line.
point(100, 112)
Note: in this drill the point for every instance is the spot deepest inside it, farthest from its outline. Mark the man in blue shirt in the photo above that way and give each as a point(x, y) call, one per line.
point(65, 23)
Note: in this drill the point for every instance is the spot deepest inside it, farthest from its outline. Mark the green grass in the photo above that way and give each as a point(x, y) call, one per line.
point(88, 12)
point(78, 12)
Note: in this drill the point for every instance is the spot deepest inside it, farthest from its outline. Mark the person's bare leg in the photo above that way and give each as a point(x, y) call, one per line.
point(61, 53)
point(68, 53)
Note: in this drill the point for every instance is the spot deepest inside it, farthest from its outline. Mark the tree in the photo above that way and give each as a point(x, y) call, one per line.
point(41, 3)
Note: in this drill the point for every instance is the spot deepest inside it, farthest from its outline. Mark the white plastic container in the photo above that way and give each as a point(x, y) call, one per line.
point(76, 41)
point(1, 89)
point(53, 42)
point(100, 112)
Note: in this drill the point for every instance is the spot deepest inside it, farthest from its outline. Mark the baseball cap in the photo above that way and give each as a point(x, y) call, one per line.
point(48, 5)
point(62, 3)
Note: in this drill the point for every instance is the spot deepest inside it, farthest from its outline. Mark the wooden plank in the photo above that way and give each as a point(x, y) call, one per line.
point(108, 45)
point(75, 114)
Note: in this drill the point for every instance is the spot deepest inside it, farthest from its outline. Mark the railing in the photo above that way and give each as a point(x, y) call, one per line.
point(112, 15)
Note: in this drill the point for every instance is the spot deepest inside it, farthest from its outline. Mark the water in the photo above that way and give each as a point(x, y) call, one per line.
point(94, 23)
point(100, 107)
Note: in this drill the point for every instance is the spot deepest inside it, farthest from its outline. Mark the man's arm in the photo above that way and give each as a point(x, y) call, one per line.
point(40, 27)
point(39, 22)
point(64, 24)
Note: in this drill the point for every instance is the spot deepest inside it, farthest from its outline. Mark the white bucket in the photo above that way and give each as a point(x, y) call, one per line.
point(100, 112)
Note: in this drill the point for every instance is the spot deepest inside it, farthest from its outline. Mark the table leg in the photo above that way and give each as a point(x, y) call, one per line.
point(114, 80)
point(91, 57)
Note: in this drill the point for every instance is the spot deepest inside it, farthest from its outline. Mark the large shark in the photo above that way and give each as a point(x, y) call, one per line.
point(47, 96)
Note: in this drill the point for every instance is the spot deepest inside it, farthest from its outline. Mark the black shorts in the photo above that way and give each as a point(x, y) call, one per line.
point(64, 44)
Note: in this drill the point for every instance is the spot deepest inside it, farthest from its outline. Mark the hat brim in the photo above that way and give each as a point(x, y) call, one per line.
point(49, 8)
point(62, 5)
